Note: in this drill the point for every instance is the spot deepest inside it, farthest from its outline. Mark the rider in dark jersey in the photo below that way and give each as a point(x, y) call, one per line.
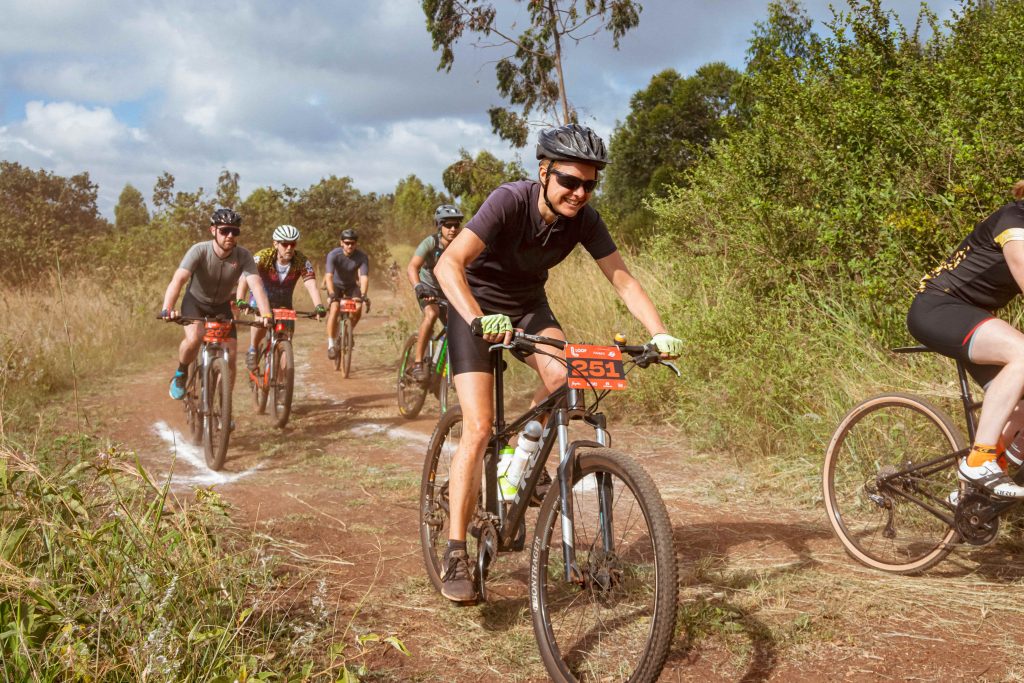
point(953, 313)
point(347, 276)
point(447, 222)
point(493, 274)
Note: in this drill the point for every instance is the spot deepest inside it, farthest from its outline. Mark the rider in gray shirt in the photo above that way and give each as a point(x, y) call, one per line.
point(212, 270)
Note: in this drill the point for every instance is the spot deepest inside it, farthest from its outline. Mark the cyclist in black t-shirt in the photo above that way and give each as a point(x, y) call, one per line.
point(493, 274)
point(953, 313)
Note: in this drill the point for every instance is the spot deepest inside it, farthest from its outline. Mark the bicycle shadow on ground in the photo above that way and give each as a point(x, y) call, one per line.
point(704, 562)
point(998, 563)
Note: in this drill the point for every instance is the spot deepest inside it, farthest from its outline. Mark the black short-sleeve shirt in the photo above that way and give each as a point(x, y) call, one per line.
point(977, 272)
point(509, 275)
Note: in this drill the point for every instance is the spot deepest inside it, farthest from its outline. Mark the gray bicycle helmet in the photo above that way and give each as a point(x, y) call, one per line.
point(572, 142)
point(225, 217)
point(447, 212)
point(349, 234)
point(286, 233)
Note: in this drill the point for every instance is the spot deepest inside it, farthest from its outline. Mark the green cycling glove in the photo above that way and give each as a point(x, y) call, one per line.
point(666, 343)
point(498, 323)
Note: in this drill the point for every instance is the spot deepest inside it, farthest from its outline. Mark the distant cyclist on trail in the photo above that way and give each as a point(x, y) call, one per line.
point(212, 270)
point(280, 267)
point(493, 274)
point(347, 276)
point(953, 314)
point(447, 222)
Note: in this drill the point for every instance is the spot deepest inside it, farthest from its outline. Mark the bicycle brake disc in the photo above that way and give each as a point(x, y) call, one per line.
point(970, 513)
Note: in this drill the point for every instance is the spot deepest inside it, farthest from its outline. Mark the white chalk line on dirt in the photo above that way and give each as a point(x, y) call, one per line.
point(193, 456)
point(399, 433)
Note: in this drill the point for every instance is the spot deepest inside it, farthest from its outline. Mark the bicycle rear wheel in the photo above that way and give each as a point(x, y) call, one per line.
point(258, 385)
point(870, 503)
point(284, 381)
point(616, 619)
point(218, 417)
point(347, 341)
point(193, 415)
point(434, 509)
point(411, 393)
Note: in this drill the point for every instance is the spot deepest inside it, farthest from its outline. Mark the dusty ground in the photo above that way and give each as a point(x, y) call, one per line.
point(766, 592)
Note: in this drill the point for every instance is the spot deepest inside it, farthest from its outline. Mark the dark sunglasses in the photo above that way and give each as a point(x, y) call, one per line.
point(287, 244)
point(451, 226)
point(572, 183)
point(348, 244)
point(229, 231)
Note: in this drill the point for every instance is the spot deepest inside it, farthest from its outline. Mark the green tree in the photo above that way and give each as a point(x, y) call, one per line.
point(325, 209)
point(227, 189)
point(471, 180)
point(266, 208)
point(413, 208)
point(532, 79)
point(130, 211)
point(671, 125)
point(163, 193)
point(45, 216)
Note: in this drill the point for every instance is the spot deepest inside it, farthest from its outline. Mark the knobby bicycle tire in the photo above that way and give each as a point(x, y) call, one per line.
point(193, 399)
point(259, 386)
point(284, 381)
point(347, 342)
point(433, 509)
point(878, 438)
point(411, 393)
point(218, 417)
point(618, 623)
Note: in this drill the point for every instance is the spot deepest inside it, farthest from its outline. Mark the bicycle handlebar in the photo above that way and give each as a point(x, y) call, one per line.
point(643, 355)
point(188, 320)
point(303, 314)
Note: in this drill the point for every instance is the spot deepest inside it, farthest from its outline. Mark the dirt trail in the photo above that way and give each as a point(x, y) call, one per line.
point(766, 592)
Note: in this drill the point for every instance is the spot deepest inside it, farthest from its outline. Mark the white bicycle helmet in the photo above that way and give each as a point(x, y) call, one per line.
point(286, 233)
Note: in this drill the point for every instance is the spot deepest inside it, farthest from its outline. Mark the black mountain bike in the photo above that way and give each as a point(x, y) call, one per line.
point(412, 393)
point(602, 580)
point(890, 483)
point(344, 340)
point(208, 390)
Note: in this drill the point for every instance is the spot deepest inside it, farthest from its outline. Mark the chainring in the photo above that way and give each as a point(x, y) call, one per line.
point(969, 513)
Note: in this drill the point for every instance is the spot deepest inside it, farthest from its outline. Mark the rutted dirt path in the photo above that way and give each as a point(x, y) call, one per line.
point(766, 592)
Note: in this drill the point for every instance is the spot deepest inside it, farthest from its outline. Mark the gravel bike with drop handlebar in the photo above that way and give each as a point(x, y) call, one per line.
point(602, 576)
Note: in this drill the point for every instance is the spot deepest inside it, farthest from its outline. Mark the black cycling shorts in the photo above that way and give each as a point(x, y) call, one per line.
point(192, 308)
point(345, 291)
point(469, 353)
point(432, 292)
point(947, 325)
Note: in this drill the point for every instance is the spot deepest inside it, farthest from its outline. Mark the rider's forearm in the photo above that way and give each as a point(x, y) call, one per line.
point(260, 294)
point(314, 293)
point(329, 284)
point(364, 284)
point(242, 288)
point(174, 289)
point(452, 279)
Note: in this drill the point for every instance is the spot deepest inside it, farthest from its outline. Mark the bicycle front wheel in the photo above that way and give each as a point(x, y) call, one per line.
point(218, 415)
point(347, 342)
point(890, 456)
point(411, 393)
point(615, 618)
point(284, 382)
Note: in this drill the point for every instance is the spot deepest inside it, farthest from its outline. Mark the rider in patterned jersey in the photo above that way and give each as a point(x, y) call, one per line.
point(447, 222)
point(494, 273)
point(280, 267)
point(953, 314)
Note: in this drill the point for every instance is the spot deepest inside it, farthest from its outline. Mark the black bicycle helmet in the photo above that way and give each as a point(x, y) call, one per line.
point(349, 234)
point(447, 212)
point(225, 217)
point(572, 142)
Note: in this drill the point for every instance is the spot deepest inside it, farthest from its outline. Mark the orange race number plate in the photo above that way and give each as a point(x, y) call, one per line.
point(594, 367)
point(349, 306)
point(216, 332)
point(284, 314)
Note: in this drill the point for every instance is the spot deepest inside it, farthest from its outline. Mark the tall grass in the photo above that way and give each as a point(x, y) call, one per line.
point(104, 576)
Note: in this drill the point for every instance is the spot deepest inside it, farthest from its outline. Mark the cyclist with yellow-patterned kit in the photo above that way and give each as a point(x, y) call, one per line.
point(280, 267)
point(493, 275)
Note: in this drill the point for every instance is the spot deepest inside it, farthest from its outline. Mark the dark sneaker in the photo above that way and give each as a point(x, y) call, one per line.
point(457, 586)
point(419, 372)
point(251, 360)
point(541, 490)
point(177, 389)
point(332, 352)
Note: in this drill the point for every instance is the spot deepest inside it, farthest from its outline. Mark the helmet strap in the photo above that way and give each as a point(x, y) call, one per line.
point(547, 179)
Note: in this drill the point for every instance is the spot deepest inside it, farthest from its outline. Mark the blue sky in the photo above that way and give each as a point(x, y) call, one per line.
point(287, 93)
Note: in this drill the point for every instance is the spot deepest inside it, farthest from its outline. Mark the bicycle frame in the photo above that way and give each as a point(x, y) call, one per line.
point(560, 407)
point(273, 338)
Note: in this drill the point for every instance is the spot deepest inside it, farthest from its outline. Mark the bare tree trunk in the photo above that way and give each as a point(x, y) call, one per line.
point(558, 62)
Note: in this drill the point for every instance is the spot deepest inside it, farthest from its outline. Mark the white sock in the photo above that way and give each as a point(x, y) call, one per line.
point(330, 343)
